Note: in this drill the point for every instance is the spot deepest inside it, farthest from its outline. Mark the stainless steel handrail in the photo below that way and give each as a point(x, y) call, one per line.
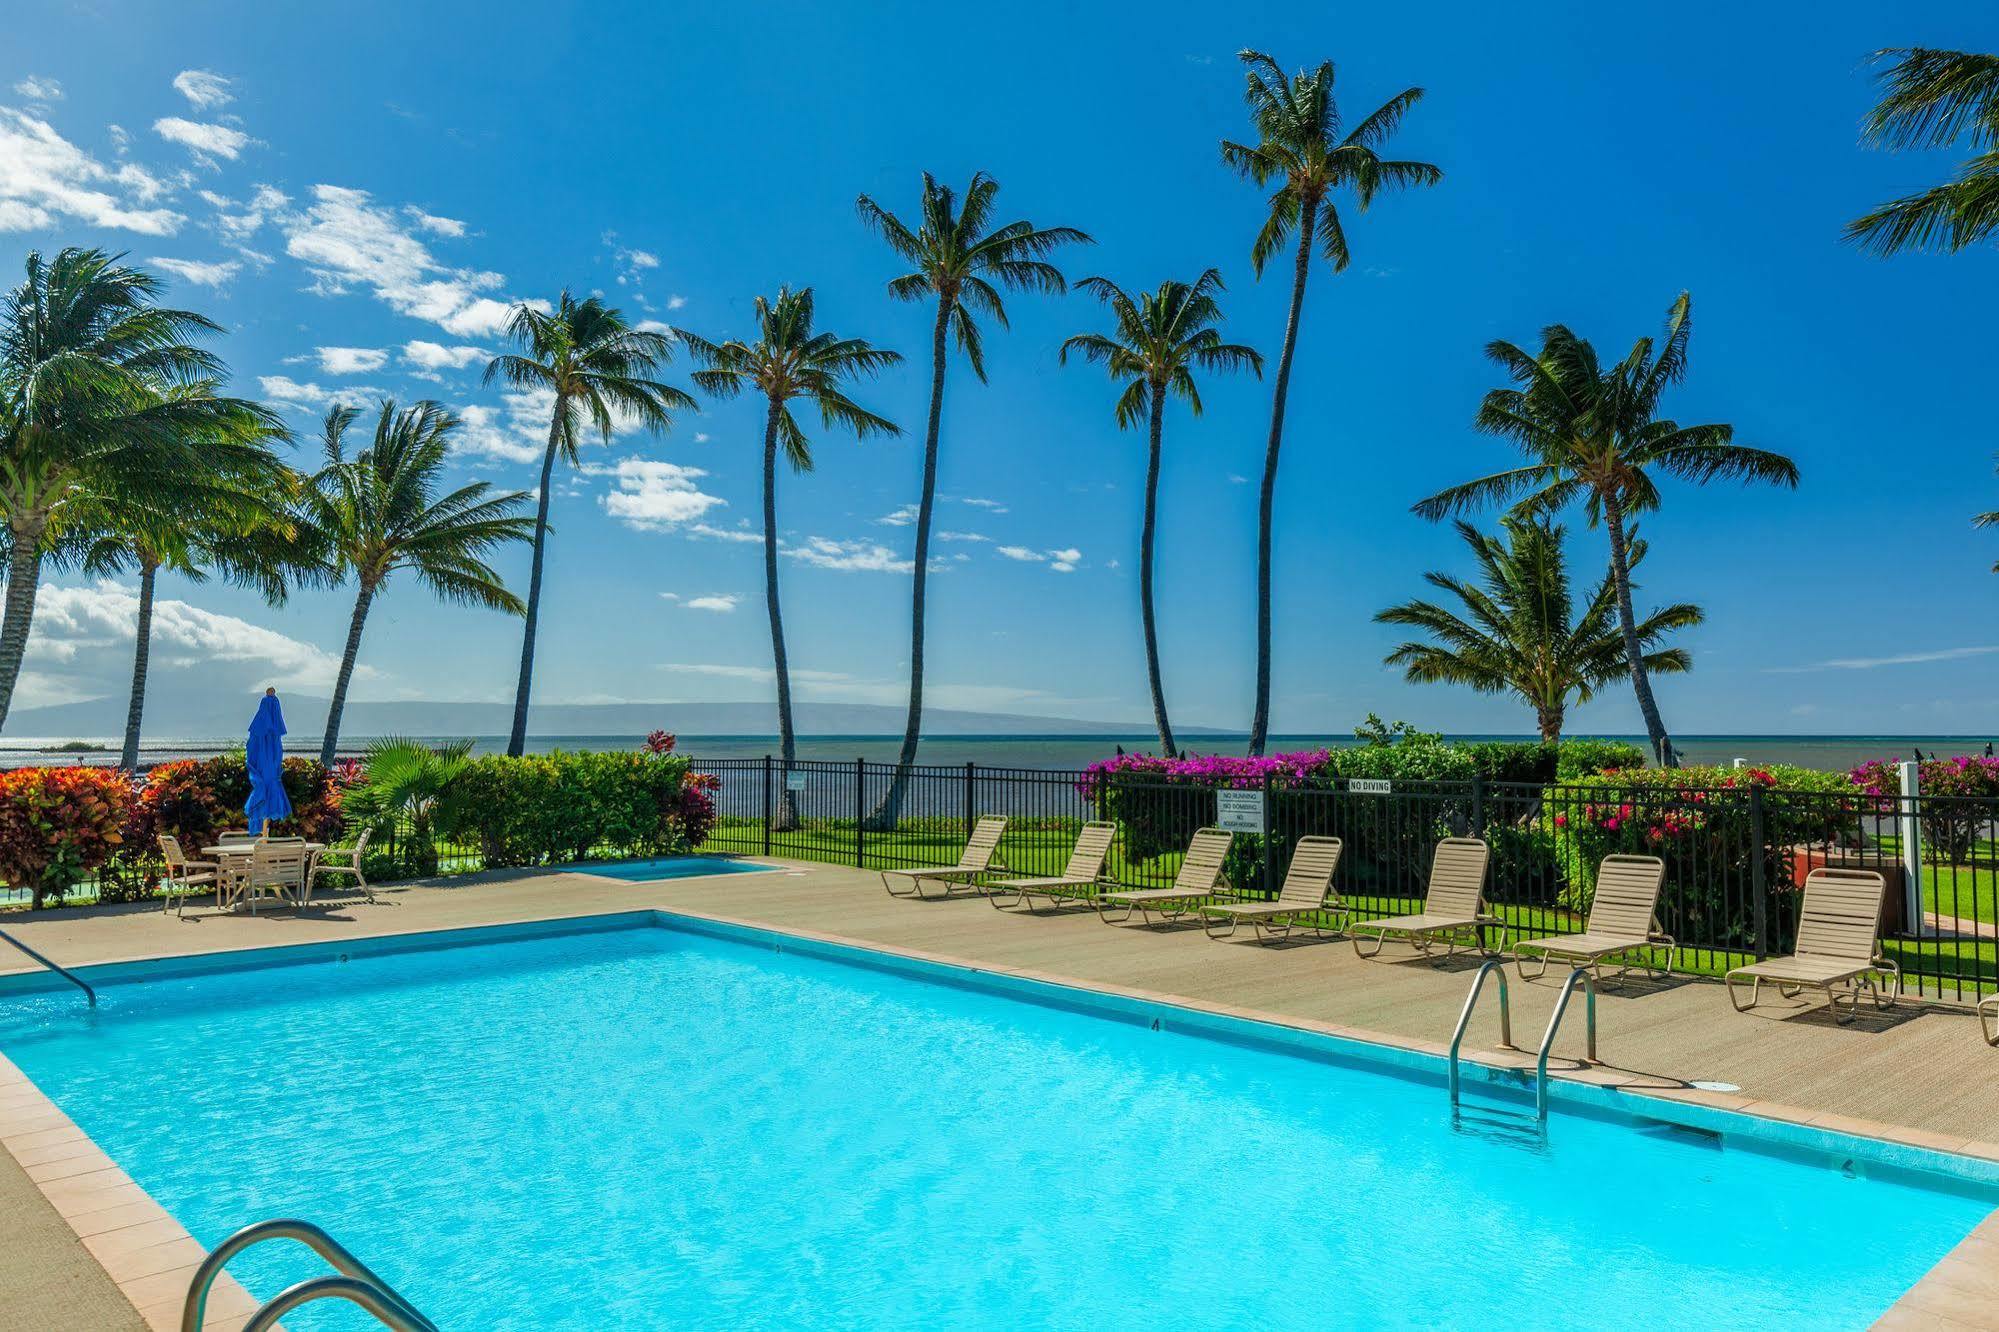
point(352, 1269)
point(1554, 1022)
point(1494, 968)
point(57, 968)
point(394, 1315)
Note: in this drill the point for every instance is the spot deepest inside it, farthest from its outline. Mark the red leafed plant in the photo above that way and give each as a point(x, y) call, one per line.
point(59, 824)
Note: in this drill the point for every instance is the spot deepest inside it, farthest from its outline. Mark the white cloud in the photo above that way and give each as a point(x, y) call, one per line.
point(962, 536)
point(350, 360)
point(482, 318)
point(68, 619)
point(487, 431)
point(197, 272)
point(1061, 561)
point(729, 672)
point(236, 227)
point(656, 496)
point(38, 89)
point(203, 140)
point(722, 602)
point(437, 226)
point(641, 258)
point(1901, 659)
point(1020, 553)
point(283, 389)
point(1065, 561)
point(203, 89)
point(44, 179)
point(437, 356)
point(675, 301)
point(1238, 479)
point(991, 506)
point(738, 534)
point(847, 556)
point(902, 517)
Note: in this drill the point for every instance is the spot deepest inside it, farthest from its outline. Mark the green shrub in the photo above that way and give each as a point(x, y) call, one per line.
point(544, 809)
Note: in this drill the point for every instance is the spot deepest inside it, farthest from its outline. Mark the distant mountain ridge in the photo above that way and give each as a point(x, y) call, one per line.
point(206, 717)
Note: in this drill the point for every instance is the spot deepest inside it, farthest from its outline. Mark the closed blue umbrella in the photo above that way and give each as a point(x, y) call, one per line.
point(266, 756)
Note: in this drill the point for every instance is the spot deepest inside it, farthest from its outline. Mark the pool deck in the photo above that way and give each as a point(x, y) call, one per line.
point(1918, 1074)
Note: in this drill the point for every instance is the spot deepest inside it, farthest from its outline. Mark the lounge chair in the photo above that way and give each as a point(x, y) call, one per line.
point(1453, 908)
point(1989, 1028)
point(1079, 880)
point(1839, 942)
point(1307, 888)
point(1199, 880)
point(347, 864)
point(1623, 921)
point(184, 877)
point(977, 858)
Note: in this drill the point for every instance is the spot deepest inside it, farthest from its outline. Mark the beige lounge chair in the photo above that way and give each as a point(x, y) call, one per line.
point(1307, 888)
point(978, 857)
point(184, 877)
point(1623, 922)
point(344, 863)
point(1080, 879)
point(1989, 1026)
point(1453, 908)
point(1839, 942)
point(1199, 879)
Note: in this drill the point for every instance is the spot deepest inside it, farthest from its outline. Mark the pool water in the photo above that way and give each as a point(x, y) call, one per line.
point(652, 1127)
point(670, 867)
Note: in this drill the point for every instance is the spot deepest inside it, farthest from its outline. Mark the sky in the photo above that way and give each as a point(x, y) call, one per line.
point(359, 191)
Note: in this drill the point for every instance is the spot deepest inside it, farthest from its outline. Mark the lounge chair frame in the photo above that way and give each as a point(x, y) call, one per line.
point(980, 857)
point(1623, 924)
point(1081, 880)
point(1988, 1019)
point(1307, 890)
point(1198, 882)
point(1453, 911)
point(1839, 946)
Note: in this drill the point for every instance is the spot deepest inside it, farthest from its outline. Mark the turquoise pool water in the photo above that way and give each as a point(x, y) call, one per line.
point(646, 1127)
point(670, 867)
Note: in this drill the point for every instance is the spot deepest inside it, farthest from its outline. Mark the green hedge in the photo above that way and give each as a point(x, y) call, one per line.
point(547, 809)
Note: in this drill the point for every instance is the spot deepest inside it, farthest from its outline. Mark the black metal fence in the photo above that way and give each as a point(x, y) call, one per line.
point(1736, 857)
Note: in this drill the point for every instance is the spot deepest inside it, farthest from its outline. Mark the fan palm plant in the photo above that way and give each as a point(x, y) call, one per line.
point(1932, 99)
point(597, 370)
point(1518, 631)
point(379, 512)
point(1300, 145)
point(961, 261)
point(103, 393)
point(1592, 432)
point(405, 789)
point(790, 361)
point(1160, 339)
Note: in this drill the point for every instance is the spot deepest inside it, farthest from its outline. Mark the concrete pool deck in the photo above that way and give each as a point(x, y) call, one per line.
point(1918, 1074)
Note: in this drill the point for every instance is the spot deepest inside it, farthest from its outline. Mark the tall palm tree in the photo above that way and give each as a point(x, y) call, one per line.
point(102, 393)
point(1519, 632)
point(1987, 520)
point(379, 512)
point(962, 262)
point(1593, 432)
point(598, 369)
point(1160, 339)
point(236, 520)
point(1300, 145)
point(790, 361)
point(1931, 100)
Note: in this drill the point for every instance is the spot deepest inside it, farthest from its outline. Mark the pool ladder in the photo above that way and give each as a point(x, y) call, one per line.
point(1580, 975)
point(356, 1283)
point(59, 970)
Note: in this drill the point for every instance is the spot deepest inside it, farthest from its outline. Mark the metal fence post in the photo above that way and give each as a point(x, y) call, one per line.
point(860, 812)
point(1269, 808)
point(768, 807)
point(1912, 846)
point(1478, 804)
point(970, 804)
point(1759, 874)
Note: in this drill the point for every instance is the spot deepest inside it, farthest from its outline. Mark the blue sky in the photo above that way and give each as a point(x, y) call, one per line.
point(380, 179)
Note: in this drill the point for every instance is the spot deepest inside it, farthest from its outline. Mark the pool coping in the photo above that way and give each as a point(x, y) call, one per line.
point(131, 1235)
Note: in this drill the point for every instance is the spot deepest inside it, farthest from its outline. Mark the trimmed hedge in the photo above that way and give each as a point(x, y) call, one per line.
point(546, 809)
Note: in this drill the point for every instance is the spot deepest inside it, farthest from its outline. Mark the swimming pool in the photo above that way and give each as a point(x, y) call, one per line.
point(667, 867)
point(606, 1124)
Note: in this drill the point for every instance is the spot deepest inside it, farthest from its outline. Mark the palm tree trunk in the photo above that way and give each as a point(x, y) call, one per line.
point(518, 739)
point(787, 812)
point(1145, 537)
point(1550, 721)
point(339, 703)
point(24, 573)
point(885, 814)
point(1634, 655)
point(142, 653)
point(1259, 724)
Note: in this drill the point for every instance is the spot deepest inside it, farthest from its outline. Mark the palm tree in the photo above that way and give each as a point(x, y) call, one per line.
point(596, 366)
point(1518, 632)
point(1161, 338)
point(1987, 520)
point(787, 361)
point(1299, 144)
point(404, 780)
point(236, 521)
point(962, 261)
point(1593, 432)
point(1932, 99)
point(102, 394)
point(379, 512)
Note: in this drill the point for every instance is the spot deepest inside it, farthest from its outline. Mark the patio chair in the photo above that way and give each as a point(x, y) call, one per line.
point(277, 869)
point(1623, 922)
point(1199, 880)
point(1080, 879)
point(345, 863)
point(185, 877)
point(1988, 1019)
point(979, 856)
point(1307, 888)
point(1839, 943)
point(1453, 909)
